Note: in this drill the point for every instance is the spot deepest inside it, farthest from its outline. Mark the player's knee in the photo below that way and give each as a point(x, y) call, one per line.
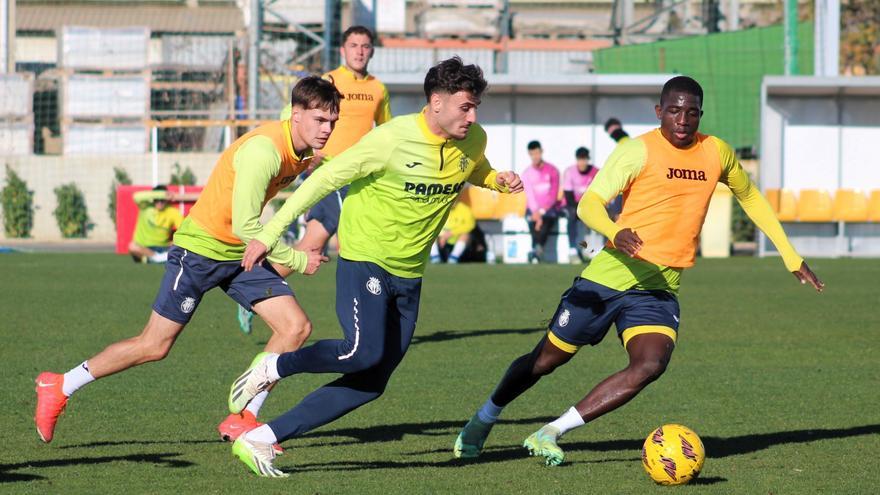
point(544, 365)
point(648, 370)
point(293, 331)
point(360, 359)
point(154, 350)
point(299, 330)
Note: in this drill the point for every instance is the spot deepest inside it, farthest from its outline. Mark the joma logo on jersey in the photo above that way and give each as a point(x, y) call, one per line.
point(432, 189)
point(359, 97)
point(683, 173)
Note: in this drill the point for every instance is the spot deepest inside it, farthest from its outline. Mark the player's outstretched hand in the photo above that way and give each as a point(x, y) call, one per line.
point(511, 180)
point(805, 275)
point(628, 241)
point(315, 260)
point(254, 254)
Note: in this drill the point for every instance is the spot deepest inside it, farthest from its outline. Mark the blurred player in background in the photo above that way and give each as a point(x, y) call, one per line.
point(156, 222)
point(366, 103)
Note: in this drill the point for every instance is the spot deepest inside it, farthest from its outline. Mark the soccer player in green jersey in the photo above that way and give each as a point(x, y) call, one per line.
point(667, 177)
point(404, 178)
point(156, 222)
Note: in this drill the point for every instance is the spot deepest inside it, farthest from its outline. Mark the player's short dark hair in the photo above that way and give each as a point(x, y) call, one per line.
point(582, 152)
point(313, 92)
point(682, 84)
point(451, 76)
point(533, 145)
point(160, 187)
point(358, 30)
point(612, 121)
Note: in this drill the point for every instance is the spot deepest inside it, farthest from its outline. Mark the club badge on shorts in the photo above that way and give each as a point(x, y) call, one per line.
point(564, 318)
point(374, 286)
point(188, 305)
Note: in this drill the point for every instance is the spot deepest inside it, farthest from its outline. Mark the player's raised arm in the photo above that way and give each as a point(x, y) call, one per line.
point(487, 177)
point(759, 211)
point(361, 160)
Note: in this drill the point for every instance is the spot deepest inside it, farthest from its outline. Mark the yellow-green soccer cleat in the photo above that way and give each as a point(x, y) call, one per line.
point(470, 441)
point(253, 381)
point(543, 443)
point(258, 456)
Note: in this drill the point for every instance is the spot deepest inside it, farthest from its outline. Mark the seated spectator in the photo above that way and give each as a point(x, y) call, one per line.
point(157, 220)
point(456, 233)
point(615, 130)
point(575, 181)
point(541, 181)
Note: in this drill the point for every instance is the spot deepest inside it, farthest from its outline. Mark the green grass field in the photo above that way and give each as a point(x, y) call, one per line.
point(781, 384)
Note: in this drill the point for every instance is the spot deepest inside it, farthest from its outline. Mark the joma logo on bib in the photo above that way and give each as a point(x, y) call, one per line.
point(683, 173)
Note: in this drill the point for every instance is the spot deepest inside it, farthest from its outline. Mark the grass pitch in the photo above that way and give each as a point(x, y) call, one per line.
point(780, 383)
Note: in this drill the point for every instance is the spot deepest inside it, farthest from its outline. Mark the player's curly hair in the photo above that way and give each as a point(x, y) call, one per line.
point(682, 84)
point(314, 92)
point(451, 76)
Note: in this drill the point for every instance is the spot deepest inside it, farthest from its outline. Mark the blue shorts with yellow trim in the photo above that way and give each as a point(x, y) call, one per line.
point(587, 310)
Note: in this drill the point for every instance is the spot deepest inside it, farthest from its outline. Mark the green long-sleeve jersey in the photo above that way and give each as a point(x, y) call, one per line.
point(403, 179)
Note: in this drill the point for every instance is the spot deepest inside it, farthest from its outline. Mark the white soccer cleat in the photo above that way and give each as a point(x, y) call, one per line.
point(257, 456)
point(253, 381)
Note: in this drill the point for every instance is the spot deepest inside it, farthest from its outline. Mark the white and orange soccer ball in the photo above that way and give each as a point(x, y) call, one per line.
point(673, 455)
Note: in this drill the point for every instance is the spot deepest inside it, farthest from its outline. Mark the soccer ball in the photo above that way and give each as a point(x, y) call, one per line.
point(673, 455)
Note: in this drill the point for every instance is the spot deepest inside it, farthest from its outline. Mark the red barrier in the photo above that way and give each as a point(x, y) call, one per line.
point(127, 211)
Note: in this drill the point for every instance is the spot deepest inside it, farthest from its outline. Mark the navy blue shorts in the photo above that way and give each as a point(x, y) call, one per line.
point(587, 311)
point(188, 276)
point(327, 210)
point(373, 306)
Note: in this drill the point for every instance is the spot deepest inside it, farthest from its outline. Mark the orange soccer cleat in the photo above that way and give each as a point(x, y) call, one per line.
point(236, 424)
point(51, 402)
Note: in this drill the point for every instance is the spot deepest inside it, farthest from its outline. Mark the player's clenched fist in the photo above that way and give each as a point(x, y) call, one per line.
point(511, 180)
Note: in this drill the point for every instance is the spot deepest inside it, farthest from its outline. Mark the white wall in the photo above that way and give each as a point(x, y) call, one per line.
point(562, 123)
point(821, 142)
point(93, 174)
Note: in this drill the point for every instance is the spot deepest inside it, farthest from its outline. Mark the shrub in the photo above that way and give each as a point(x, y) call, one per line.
point(182, 178)
point(71, 212)
point(120, 178)
point(18, 206)
point(741, 226)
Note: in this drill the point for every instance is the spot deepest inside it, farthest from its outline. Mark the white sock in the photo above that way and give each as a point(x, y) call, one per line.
point(458, 249)
point(159, 257)
point(76, 378)
point(568, 421)
point(262, 434)
point(272, 365)
point(489, 412)
point(257, 402)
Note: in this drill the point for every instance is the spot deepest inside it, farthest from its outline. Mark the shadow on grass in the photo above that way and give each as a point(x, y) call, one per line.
point(707, 481)
point(116, 443)
point(716, 447)
point(490, 456)
point(391, 433)
point(447, 335)
point(162, 459)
